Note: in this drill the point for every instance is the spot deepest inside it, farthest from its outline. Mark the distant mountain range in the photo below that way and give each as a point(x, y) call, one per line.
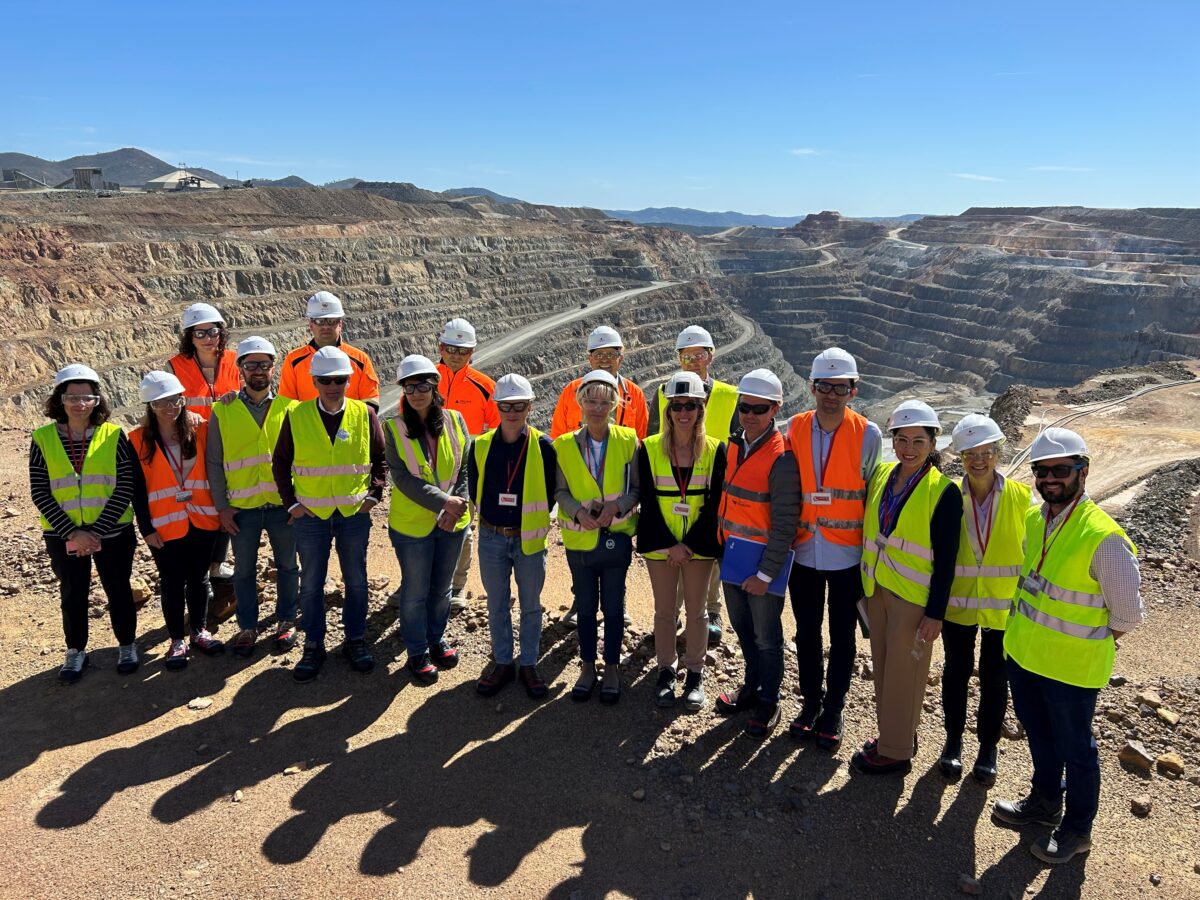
point(129, 166)
point(698, 218)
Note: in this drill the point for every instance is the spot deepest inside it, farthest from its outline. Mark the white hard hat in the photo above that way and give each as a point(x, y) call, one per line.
point(458, 333)
point(599, 375)
point(201, 314)
point(834, 363)
point(75, 372)
point(329, 361)
point(685, 384)
point(513, 387)
point(603, 336)
point(324, 305)
point(1055, 442)
point(762, 383)
point(255, 344)
point(975, 430)
point(157, 385)
point(914, 412)
point(694, 336)
point(415, 364)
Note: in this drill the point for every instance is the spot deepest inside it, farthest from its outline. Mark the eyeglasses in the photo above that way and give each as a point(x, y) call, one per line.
point(689, 406)
point(754, 409)
point(457, 351)
point(169, 403)
point(605, 355)
point(516, 406)
point(80, 399)
point(421, 387)
point(326, 323)
point(257, 366)
point(213, 332)
point(1062, 470)
point(978, 455)
point(597, 404)
point(698, 356)
point(905, 443)
point(824, 387)
point(332, 379)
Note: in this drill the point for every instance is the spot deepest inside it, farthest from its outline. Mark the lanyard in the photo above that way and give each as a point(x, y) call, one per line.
point(77, 460)
point(596, 467)
point(982, 536)
point(891, 503)
point(513, 469)
point(828, 455)
point(677, 473)
point(177, 472)
point(1049, 539)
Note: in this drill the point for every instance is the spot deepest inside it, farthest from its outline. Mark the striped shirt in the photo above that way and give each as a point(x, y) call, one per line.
point(60, 523)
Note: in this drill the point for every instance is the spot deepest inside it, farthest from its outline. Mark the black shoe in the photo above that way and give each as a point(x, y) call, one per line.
point(950, 762)
point(535, 688)
point(494, 679)
point(714, 631)
point(1060, 846)
point(664, 691)
point(803, 727)
point(310, 664)
point(985, 766)
point(423, 669)
point(360, 657)
point(869, 762)
point(731, 704)
point(583, 690)
point(693, 692)
point(443, 655)
point(764, 720)
point(1032, 810)
point(829, 731)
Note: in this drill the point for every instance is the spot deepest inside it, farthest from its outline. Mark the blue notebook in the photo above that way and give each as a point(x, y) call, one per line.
point(741, 560)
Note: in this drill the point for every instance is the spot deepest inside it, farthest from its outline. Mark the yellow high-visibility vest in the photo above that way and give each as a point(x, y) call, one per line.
point(622, 446)
point(412, 519)
point(247, 449)
point(82, 495)
point(331, 476)
point(535, 505)
point(666, 488)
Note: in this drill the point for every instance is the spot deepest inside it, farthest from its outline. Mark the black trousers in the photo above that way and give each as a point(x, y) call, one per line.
point(114, 565)
point(808, 590)
point(958, 643)
point(183, 579)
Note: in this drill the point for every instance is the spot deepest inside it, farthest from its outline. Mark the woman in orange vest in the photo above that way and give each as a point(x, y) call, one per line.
point(175, 511)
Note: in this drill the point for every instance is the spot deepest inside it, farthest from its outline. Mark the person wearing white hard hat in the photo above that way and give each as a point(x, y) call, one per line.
point(680, 470)
point(325, 315)
point(204, 365)
point(911, 529)
point(760, 505)
point(82, 481)
point(596, 487)
point(175, 513)
point(511, 477)
point(1079, 590)
point(468, 392)
point(427, 451)
point(605, 352)
point(330, 469)
point(836, 450)
point(990, 549)
point(241, 438)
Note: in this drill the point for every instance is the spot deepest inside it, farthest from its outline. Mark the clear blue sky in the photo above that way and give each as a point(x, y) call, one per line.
point(782, 108)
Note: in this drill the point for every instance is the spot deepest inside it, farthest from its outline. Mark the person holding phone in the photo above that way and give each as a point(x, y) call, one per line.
point(81, 478)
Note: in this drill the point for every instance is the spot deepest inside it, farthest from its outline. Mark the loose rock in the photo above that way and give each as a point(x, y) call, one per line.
point(1171, 763)
point(639, 794)
point(1149, 698)
point(1141, 805)
point(1168, 715)
point(237, 796)
point(200, 703)
point(1135, 755)
point(969, 885)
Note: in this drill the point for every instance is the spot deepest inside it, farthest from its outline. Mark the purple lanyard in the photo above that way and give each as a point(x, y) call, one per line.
point(891, 503)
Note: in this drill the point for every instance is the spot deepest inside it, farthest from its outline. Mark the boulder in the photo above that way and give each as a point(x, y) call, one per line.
point(1135, 755)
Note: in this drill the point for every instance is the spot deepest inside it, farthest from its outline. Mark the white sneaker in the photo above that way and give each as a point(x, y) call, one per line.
point(458, 600)
point(73, 666)
point(220, 570)
point(127, 659)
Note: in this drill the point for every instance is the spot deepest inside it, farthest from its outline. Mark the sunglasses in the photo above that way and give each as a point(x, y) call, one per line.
point(754, 409)
point(80, 399)
point(457, 351)
point(213, 332)
point(824, 387)
point(694, 357)
point(332, 379)
point(690, 406)
point(421, 387)
point(326, 323)
point(257, 366)
point(169, 403)
point(1062, 470)
point(516, 406)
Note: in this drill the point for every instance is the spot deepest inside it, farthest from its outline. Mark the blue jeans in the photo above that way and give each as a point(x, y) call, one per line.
point(500, 557)
point(758, 623)
point(426, 569)
point(1058, 722)
point(251, 524)
point(598, 581)
point(314, 538)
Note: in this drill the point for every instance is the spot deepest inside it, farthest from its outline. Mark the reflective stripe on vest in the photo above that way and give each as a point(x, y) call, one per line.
point(745, 509)
point(666, 488)
point(1062, 631)
point(331, 475)
point(170, 517)
point(82, 496)
point(196, 389)
point(903, 561)
point(841, 520)
point(982, 591)
point(535, 505)
point(247, 448)
point(618, 459)
point(412, 519)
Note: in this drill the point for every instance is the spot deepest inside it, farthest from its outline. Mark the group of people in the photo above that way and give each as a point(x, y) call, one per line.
point(704, 482)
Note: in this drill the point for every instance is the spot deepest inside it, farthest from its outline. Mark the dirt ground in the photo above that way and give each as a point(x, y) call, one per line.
point(115, 788)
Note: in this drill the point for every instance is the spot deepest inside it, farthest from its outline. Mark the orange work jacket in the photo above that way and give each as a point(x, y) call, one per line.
point(835, 503)
point(295, 381)
point(199, 393)
point(633, 412)
point(169, 516)
point(745, 509)
point(471, 393)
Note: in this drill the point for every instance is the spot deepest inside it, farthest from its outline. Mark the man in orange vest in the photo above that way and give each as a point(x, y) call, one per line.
point(835, 450)
point(759, 504)
point(605, 351)
point(325, 315)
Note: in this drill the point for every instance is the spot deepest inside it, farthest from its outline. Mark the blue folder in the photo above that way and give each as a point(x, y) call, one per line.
point(741, 561)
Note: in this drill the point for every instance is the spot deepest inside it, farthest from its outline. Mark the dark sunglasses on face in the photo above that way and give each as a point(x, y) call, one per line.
point(689, 406)
point(332, 379)
point(257, 366)
point(515, 406)
point(421, 387)
point(754, 409)
point(326, 323)
point(824, 387)
point(1062, 470)
point(213, 332)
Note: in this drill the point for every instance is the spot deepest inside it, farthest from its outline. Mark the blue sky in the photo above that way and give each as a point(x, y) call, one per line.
point(782, 108)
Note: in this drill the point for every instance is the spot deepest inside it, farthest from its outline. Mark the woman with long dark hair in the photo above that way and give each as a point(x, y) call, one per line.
point(175, 512)
point(81, 477)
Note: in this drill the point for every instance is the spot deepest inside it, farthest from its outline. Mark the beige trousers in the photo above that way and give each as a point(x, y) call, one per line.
point(713, 597)
point(899, 678)
point(692, 580)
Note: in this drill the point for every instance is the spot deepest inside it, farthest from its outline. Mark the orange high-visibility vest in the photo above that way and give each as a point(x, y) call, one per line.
point(745, 510)
point(632, 413)
point(199, 393)
point(841, 519)
point(169, 516)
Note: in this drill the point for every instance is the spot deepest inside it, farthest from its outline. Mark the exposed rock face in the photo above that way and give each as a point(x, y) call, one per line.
point(826, 227)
